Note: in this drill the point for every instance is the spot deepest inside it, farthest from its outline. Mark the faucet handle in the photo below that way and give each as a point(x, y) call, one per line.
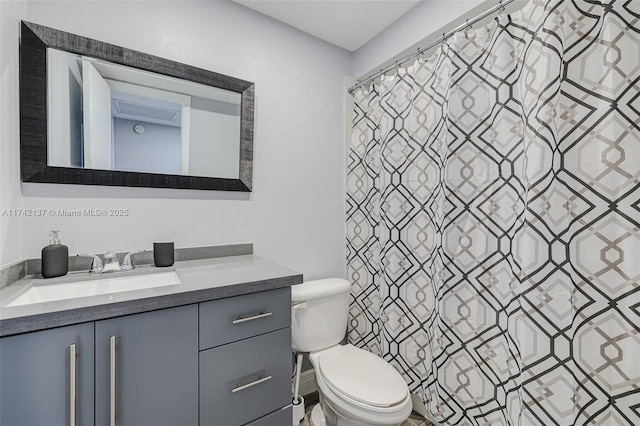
point(127, 262)
point(96, 265)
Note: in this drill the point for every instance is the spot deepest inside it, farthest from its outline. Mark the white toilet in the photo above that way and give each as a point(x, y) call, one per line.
point(356, 387)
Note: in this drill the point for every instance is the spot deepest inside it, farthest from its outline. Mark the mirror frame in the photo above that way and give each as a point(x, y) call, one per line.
point(34, 41)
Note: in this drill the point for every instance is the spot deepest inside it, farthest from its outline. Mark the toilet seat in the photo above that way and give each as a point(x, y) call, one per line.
point(361, 377)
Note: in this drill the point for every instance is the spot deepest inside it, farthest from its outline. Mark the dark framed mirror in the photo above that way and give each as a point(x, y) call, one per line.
point(93, 113)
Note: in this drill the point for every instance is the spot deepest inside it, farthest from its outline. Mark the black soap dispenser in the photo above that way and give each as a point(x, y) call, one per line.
point(55, 257)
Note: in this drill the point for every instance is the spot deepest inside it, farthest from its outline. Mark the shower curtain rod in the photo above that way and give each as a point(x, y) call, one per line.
point(499, 7)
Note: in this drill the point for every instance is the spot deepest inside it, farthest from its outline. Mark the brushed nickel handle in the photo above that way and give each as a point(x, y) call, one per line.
point(72, 385)
point(248, 385)
point(240, 320)
point(112, 385)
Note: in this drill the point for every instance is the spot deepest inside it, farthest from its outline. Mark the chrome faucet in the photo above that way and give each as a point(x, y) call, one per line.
point(96, 265)
point(127, 262)
point(111, 263)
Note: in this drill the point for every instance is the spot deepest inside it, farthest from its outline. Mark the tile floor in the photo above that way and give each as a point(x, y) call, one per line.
point(310, 400)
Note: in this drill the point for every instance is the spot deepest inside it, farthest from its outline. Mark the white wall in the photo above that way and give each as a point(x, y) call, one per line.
point(294, 216)
point(156, 150)
point(296, 213)
point(426, 20)
point(213, 138)
point(10, 226)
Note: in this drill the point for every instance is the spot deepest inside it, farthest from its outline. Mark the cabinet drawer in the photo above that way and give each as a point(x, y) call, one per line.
point(245, 380)
point(236, 318)
point(282, 417)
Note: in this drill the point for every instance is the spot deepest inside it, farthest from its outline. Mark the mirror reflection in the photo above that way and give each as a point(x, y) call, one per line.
point(107, 116)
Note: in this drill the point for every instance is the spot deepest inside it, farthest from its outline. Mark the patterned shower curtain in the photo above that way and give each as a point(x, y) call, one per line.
point(493, 219)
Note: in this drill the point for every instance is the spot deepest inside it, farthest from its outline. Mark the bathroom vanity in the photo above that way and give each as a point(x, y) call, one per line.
point(212, 350)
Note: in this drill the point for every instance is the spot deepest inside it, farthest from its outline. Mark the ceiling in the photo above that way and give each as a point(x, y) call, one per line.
point(345, 23)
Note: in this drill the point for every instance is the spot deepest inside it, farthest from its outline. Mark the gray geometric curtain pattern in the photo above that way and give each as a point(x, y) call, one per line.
point(493, 219)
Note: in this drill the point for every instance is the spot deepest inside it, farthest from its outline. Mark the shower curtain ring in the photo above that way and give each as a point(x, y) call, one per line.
point(445, 43)
point(399, 65)
point(468, 31)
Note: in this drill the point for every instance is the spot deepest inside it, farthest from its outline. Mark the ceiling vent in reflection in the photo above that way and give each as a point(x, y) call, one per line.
point(149, 110)
point(147, 113)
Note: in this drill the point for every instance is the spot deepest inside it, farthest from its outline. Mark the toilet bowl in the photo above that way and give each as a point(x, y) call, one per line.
point(360, 388)
point(356, 387)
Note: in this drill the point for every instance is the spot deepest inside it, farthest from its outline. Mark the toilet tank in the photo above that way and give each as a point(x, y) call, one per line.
point(319, 314)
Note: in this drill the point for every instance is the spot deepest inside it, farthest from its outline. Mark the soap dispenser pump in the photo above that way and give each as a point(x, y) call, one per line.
point(55, 257)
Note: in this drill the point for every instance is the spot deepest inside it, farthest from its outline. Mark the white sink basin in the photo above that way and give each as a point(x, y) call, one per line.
point(52, 292)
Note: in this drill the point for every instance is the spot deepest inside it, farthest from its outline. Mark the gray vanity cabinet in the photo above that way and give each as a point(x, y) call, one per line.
point(225, 362)
point(245, 380)
point(282, 417)
point(46, 377)
point(145, 368)
point(155, 380)
point(245, 360)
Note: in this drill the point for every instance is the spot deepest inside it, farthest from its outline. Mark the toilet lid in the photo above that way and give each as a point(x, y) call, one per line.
point(362, 376)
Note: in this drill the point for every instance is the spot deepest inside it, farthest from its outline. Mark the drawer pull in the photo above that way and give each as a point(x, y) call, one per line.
point(240, 320)
point(248, 385)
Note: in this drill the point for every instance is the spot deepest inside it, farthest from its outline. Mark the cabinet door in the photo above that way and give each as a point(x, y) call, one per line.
point(37, 377)
point(156, 368)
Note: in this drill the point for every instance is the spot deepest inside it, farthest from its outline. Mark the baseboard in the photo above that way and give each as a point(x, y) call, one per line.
point(308, 382)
